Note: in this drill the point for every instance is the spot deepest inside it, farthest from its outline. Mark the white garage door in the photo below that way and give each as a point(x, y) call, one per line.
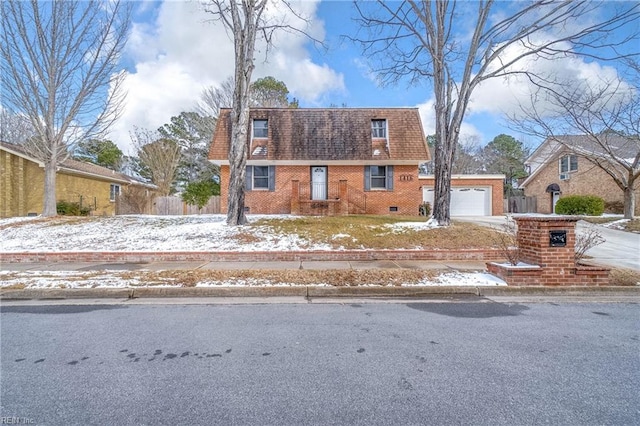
point(465, 201)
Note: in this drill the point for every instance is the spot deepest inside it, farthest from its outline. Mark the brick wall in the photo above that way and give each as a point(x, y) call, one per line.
point(547, 264)
point(406, 194)
point(22, 188)
point(587, 180)
point(240, 256)
point(497, 185)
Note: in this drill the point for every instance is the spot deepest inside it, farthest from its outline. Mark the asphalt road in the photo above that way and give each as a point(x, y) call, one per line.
point(292, 364)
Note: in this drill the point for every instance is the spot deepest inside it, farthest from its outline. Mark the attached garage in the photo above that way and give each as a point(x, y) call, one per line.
point(468, 201)
point(471, 195)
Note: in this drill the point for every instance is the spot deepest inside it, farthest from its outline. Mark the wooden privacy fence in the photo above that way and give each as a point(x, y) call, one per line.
point(175, 206)
point(521, 204)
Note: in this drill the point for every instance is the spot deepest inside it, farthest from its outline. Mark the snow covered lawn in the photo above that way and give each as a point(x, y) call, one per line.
point(142, 233)
point(193, 233)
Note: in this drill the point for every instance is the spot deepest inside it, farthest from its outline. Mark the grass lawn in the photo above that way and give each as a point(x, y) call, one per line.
point(381, 232)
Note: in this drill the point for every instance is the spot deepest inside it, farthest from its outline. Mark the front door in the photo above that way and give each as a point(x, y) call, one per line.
point(318, 183)
point(555, 196)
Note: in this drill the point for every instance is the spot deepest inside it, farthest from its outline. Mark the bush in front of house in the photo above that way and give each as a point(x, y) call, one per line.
point(588, 205)
point(66, 208)
point(425, 209)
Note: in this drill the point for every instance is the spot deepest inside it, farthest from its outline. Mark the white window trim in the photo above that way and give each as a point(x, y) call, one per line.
point(253, 179)
point(113, 195)
point(386, 128)
point(568, 159)
point(379, 188)
point(253, 136)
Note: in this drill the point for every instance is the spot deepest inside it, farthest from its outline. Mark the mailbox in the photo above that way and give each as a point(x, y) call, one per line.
point(557, 238)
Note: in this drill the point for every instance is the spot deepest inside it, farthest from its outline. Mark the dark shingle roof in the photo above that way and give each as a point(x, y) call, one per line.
point(331, 134)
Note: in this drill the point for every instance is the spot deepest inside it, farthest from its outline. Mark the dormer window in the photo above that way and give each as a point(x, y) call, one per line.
point(260, 129)
point(379, 128)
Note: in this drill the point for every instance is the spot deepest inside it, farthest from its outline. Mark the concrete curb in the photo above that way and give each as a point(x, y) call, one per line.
point(311, 292)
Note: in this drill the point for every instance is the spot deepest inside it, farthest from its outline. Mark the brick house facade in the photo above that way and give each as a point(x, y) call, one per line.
point(22, 185)
point(327, 161)
point(558, 172)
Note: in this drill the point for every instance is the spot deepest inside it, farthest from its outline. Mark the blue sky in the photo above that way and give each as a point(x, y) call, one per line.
point(173, 54)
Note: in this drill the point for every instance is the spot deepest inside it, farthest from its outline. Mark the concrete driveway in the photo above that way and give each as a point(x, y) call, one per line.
point(620, 249)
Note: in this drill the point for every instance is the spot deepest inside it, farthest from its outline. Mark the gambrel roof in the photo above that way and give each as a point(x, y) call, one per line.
point(334, 135)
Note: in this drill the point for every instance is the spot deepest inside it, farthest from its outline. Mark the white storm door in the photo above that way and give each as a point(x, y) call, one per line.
point(318, 183)
point(554, 200)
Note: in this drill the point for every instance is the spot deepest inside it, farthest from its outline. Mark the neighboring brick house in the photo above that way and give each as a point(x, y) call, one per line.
point(327, 161)
point(558, 171)
point(22, 184)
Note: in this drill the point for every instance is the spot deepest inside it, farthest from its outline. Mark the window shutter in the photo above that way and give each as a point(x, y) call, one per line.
point(272, 178)
point(367, 178)
point(248, 179)
point(389, 178)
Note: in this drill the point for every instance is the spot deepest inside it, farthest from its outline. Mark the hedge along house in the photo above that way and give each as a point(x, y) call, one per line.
point(327, 161)
point(22, 184)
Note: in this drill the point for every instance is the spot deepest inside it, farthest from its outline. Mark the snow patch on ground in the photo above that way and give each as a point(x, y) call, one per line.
point(416, 226)
point(146, 233)
point(110, 279)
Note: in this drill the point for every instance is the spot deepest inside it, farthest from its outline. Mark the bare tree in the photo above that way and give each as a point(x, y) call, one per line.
point(597, 121)
point(213, 98)
point(158, 158)
point(14, 128)
point(60, 70)
point(458, 45)
point(245, 20)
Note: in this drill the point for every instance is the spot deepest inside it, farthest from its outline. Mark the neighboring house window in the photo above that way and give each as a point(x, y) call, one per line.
point(260, 178)
point(114, 192)
point(260, 128)
point(378, 178)
point(568, 163)
point(378, 128)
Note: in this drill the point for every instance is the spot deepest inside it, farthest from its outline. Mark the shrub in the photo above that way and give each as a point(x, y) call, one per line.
point(198, 193)
point(425, 209)
point(66, 208)
point(589, 205)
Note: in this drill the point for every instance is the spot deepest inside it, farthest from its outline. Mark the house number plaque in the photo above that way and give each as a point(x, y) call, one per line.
point(557, 238)
point(406, 178)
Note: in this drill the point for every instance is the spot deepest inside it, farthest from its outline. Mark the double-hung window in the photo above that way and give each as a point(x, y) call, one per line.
point(378, 178)
point(260, 178)
point(568, 163)
point(260, 129)
point(114, 192)
point(378, 128)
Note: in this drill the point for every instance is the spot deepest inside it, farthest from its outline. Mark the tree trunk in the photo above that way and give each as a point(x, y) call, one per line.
point(629, 202)
point(49, 208)
point(237, 169)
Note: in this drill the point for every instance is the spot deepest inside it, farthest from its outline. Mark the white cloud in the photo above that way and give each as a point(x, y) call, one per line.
point(428, 117)
point(179, 51)
point(507, 95)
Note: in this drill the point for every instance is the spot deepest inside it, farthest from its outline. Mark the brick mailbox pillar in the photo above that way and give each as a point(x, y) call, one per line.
point(547, 248)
